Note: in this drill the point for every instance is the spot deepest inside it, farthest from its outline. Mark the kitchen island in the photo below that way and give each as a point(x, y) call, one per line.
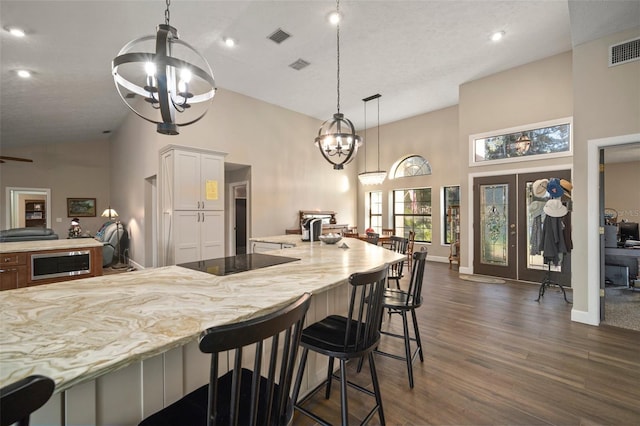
point(119, 347)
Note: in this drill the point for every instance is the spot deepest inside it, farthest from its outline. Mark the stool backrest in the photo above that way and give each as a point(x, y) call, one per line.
point(417, 277)
point(373, 237)
point(18, 400)
point(277, 334)
point(399, 245)
point(365, 309)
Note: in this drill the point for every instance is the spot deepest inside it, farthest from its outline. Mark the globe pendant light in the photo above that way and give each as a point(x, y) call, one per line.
point(174, 80)
point(337, 139)
point(377, 177)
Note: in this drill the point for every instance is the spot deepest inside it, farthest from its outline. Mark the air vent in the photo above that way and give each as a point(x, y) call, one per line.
point(299, 64)
point(624, 52)
point(279, 36)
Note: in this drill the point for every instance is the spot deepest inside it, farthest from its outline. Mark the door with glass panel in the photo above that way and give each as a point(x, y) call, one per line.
point(507, 221)
point(495, 238)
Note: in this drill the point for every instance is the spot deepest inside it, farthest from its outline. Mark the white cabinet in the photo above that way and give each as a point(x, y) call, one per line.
point(191, 204)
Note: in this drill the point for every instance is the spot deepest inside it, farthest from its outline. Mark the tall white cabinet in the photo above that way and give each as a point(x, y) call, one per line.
point(191, 204)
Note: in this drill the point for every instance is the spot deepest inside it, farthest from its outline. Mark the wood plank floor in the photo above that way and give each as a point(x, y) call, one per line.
point(495, 356)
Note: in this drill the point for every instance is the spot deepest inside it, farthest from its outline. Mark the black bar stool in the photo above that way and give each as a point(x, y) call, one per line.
point(18, 400)
point(243, 396)
point(352, 337)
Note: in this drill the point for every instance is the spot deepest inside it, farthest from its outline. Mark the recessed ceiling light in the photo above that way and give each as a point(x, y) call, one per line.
point(334, 18)
point(16, 32)
point(229, 42)
point(23, 73)
point(497, 36)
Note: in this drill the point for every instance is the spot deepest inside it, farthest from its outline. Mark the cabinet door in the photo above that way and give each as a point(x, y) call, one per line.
point(186, 237)
point(12, 277)
point(211, 235)
point(211, 184)
point(186, 181)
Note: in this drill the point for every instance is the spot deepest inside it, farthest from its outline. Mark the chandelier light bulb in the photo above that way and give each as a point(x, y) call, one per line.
point(497, 36)
point(334, 18)
point(16, 32)
point(24, 74)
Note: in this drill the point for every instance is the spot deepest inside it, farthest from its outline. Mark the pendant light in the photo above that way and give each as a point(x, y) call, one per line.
point(337, 139)
point(175, 80)
point(377, 177)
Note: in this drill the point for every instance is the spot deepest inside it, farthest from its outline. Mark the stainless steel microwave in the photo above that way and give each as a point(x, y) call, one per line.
point(60, 264)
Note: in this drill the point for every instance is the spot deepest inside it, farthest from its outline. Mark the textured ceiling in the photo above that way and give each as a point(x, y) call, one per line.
point(415, 53)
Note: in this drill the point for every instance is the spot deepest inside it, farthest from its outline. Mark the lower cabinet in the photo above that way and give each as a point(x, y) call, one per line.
point(198, 235)
point(13, 271)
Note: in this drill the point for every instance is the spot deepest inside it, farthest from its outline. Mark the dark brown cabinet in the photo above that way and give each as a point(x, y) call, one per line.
point(13, 270)
point(35, 214)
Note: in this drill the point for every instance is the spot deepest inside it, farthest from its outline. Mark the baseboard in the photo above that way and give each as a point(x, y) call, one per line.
point(583, 317)
point(135, 265)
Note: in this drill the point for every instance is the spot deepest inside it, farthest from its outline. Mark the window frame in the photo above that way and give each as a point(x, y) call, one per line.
point(429, 215)
point(445, 213)
point(370, 211)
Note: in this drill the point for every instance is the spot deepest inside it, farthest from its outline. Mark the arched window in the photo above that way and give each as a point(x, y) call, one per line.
point(414, 165)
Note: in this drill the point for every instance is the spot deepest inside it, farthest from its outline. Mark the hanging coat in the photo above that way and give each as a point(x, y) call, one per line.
point(553, 239)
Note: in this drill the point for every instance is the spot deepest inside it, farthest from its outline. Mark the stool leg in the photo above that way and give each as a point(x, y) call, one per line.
point(327, 394)
point(343, 392)
point(376, 388)
point(417, 332)
point(301, 367)
point(407, 347)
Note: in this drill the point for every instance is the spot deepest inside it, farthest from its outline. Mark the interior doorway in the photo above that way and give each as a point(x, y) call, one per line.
point(508, 220)
point(16, 199)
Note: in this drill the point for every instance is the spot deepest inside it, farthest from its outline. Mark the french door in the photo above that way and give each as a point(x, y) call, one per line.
point(506, 217)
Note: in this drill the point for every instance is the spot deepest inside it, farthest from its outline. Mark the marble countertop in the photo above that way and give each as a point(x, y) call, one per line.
point(40, 245)
point(78, 330)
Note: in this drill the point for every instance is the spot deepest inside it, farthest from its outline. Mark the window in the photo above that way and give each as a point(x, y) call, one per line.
point(535, 141)
point(375, 211)
point(412, 212)
point(451, 197)
point(414, 165)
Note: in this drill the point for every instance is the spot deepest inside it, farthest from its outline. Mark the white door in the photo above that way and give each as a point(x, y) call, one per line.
point(186, 181)
point(211, 182)
point(186, 236)
point(211, 234)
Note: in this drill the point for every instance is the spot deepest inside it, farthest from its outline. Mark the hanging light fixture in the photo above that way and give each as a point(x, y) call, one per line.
point(377, 177)
point(337, 139)
point(172, 80)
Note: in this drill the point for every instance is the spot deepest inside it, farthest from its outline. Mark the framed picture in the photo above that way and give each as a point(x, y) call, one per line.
point(81, 207)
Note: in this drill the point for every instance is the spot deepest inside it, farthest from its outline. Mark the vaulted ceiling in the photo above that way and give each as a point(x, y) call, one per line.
point(415, 53)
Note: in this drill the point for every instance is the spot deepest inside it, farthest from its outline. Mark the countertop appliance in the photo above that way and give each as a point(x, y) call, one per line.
point(239, 263)
point(311, 229)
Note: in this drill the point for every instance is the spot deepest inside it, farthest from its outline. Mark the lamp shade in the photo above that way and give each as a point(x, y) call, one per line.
point(109, 213)
point(372, 178)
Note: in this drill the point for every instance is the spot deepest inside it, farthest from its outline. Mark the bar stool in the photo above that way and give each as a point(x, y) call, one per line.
point(19, 399)
point(401, 302)
point(399, 245)
point(243, 396)
point(352, 337)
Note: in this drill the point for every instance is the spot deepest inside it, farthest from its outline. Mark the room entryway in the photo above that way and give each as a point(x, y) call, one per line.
point(506, 216)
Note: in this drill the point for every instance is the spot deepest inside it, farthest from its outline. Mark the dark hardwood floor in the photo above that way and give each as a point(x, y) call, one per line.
point(495, 356)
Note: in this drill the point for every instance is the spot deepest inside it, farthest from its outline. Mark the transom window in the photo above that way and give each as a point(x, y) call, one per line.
point(414, 165)
point(412, 212)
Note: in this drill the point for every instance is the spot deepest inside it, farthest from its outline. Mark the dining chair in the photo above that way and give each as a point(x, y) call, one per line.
point(373, 238)
point(20, 399)
point(244, 395)
point(353, 336)
point(399, 245)
point(412, 239)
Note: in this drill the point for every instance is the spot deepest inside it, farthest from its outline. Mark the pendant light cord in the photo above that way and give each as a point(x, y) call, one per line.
point(338, 49)
point(167, 14)
point(378, 133)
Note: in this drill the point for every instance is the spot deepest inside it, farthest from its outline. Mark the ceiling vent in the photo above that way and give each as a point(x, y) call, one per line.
point(279, 36)
point(299, 64)
point(624, 52)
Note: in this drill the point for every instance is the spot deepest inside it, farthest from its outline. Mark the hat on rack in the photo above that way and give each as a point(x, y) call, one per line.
point(566, 185)
point(554, 188)
point(555, 208)
point(539, 188)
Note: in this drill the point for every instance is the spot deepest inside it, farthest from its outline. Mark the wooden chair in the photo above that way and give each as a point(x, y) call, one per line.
point(401, 302)
point(388, 232)
point(399, 245)
point(18, 400)
point(243, 396)
point(353, 336)
point(373, 238)
point(412, 239)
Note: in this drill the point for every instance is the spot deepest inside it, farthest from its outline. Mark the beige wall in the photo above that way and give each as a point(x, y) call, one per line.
point(533, 93)
point(69, 170)
point(622, 189)
point(607, 103)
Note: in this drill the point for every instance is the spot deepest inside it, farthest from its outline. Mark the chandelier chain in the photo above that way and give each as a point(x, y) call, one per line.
point(167, 14)
point(338, 49)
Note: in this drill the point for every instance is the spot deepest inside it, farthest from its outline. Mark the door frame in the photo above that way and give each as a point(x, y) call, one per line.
point(470, 178)
point(231, 217)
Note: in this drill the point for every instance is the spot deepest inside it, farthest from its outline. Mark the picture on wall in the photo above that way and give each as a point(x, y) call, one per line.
point(81, 207)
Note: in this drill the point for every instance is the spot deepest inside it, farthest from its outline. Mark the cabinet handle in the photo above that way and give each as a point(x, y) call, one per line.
point(2, 270)
point(203, 217)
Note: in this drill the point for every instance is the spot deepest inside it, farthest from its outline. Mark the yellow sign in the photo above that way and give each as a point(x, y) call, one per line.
point(212, 189)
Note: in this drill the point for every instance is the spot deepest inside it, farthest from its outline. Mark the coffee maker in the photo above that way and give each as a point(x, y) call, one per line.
point(311, 229)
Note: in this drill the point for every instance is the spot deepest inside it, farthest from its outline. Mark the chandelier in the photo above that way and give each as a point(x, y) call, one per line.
point(175, 80)
point(337, 139)
point(377, 177)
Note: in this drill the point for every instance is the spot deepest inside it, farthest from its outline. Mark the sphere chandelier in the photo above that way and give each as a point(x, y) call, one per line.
point(337, 139)
point(174, 81)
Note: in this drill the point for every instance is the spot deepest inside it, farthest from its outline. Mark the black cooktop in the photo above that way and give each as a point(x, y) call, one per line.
point(234, 264)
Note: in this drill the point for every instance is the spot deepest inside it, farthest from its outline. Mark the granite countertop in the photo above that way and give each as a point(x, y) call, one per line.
point(40, 245)
point(78, 330)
